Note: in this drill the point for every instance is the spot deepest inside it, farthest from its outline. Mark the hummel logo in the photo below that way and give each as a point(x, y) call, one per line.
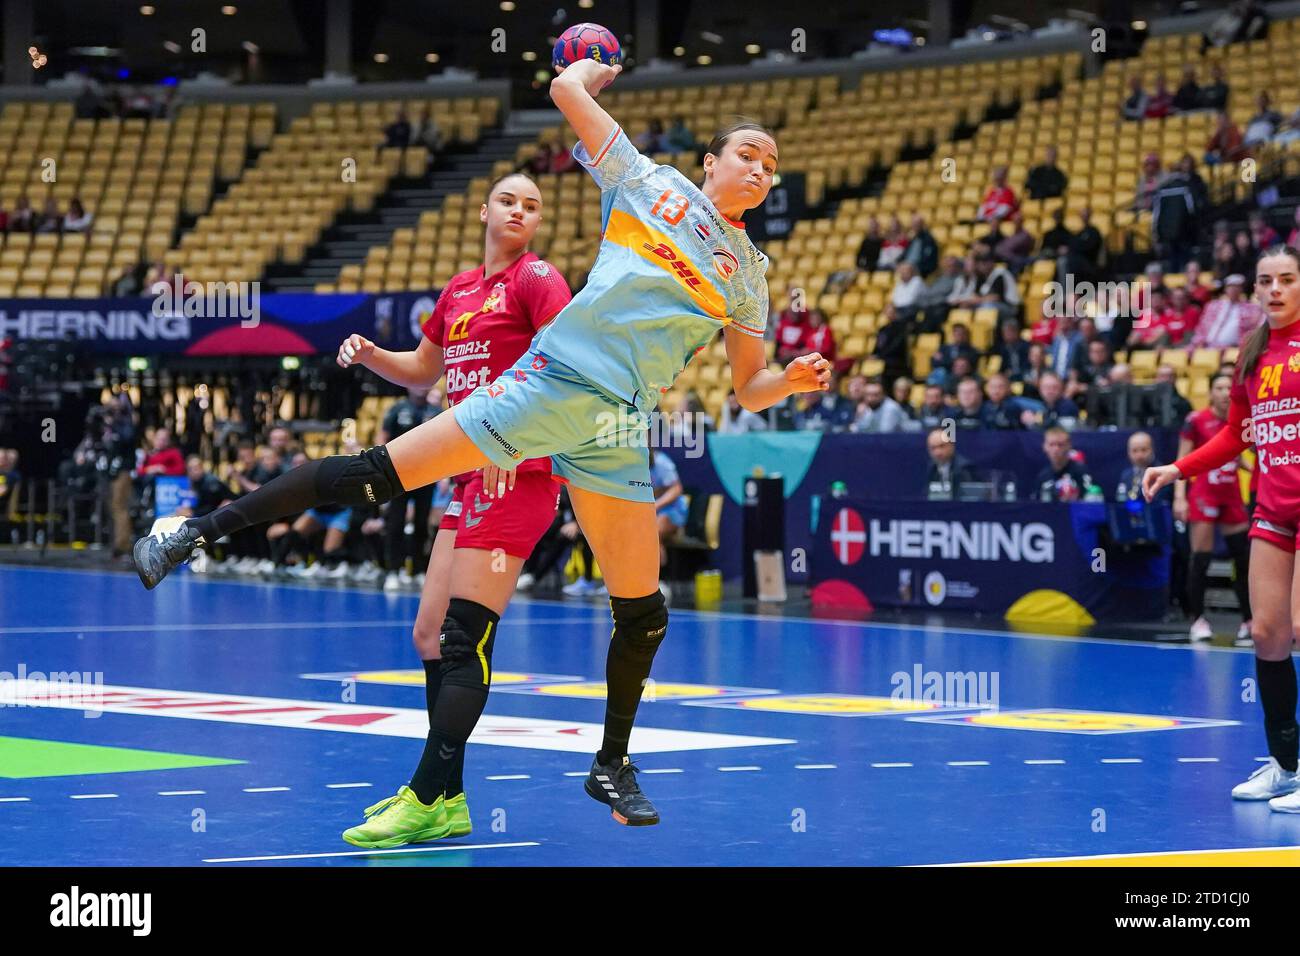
point(445, 752)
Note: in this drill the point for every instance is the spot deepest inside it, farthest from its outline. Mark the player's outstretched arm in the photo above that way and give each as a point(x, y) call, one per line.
point(756, 386)
point(574, 91)
point(418, 369)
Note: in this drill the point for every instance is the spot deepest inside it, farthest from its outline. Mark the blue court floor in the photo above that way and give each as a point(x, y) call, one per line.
point(226, 723)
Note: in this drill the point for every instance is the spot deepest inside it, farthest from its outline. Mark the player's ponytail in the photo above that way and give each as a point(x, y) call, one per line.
point(1257, 341)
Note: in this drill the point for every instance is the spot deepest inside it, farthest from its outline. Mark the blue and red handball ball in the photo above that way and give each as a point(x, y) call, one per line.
point(586, 41)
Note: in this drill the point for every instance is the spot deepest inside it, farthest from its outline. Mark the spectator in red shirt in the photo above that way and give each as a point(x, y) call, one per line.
point(1044, 330)
point(1201, 294)
point(1295, 232)
point(999, 202)
point(1262, 235)
point(1161, 103)
point(1180, 319)
point(1150, 330)
point(1225, 143)
point(818, 337)
point(791, 331)
point(165, 459)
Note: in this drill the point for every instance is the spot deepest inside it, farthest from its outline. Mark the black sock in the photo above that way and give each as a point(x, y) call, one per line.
point(1197, 576)
point(639, 625)
point(456, 779)
point(1239, 548)
point(461, 698)
point(420, 781)
point(1277, 694)
point(288, 494)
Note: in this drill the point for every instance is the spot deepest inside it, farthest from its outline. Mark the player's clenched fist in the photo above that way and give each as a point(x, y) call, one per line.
point(355, 350)
point(809, 373)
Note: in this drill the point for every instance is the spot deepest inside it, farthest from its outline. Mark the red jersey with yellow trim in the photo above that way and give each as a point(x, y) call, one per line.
point(1265, 410)
point(484, 324)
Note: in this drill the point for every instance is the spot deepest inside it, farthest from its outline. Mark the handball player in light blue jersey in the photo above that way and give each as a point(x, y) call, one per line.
point(674, 267)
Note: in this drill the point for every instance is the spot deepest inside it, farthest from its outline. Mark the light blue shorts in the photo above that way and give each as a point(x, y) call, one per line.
point(541, 408)
point(338, 521)
point(677, 512)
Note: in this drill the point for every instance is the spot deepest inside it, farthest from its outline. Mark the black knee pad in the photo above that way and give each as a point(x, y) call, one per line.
point(358, 480)
point(468, 634)
point(639, 625)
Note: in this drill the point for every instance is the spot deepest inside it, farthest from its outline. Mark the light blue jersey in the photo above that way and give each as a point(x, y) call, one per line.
point(671, 271)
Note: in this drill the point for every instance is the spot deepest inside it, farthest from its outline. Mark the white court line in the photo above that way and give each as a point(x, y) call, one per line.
point(1261, 759)
point(346, 786)
point(576, 773)
point(663, 770)
point(510, 776)
point(180, 793)
point(318, 856)
point(968, 763)
point(265, 789)
point(1034, 763)
point(15, 799)
point(735, 769)
point(93, 796)
point(891, 765)
point(1198, 759)
point(814, 766)
point(1121, 759)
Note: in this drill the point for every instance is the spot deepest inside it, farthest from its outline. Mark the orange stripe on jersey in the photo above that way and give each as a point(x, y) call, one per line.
point(656, 247)
point(595, 160)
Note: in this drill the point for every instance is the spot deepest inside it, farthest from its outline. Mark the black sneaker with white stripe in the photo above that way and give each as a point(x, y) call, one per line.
point(170, 543)
point(615, 784)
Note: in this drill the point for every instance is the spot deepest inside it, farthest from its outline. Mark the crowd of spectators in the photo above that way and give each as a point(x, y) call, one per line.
point(23, 218)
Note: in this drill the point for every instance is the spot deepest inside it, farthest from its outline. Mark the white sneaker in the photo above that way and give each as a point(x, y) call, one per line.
point(1270, 780)
point(393, 581)
point(266, 566)
point(1288, 804)
point(339, 570)
point(666, 590)
point(525, 582)
point(406, 577)
point(200, 563)
point(371, 572)
point(1201, 630)
point(1243, 636)
point(579, 588)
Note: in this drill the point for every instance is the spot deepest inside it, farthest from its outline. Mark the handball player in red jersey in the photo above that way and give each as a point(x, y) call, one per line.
point(483, 322)
point(1265, 409)
point(1210, 501)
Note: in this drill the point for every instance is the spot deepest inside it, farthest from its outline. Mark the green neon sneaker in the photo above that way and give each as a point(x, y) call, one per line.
point(457, 811)
point(402, 819)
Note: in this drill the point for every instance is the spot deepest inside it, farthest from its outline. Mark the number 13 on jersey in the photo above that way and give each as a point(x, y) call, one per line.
point(671, 206)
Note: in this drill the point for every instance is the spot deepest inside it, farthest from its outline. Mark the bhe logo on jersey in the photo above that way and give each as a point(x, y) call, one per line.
point(725, 263)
